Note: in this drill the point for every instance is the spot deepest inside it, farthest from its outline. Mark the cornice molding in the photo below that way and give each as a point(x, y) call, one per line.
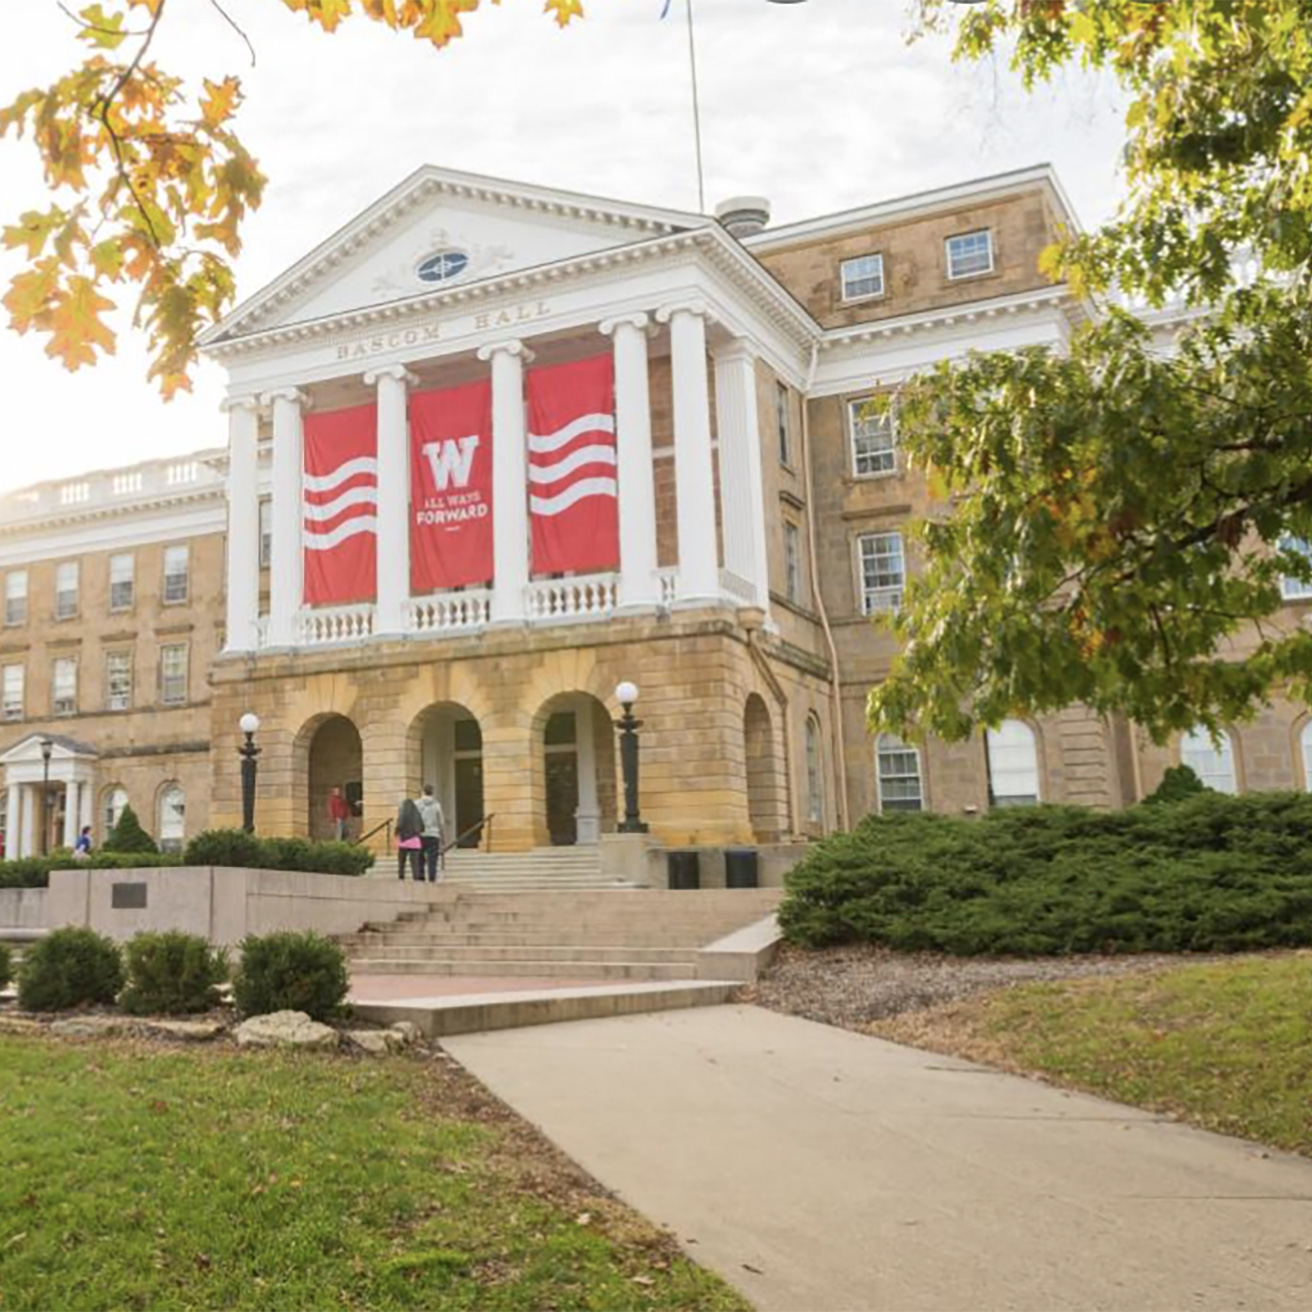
point(91, 514)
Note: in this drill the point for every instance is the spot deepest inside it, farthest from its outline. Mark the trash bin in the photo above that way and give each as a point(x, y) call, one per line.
point(742, 867)
point(685, 871)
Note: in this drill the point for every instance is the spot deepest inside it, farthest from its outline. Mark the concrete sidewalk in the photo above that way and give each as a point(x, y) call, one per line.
point(821, 1171)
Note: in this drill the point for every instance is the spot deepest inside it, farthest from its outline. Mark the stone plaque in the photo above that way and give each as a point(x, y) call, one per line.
point(127, 897)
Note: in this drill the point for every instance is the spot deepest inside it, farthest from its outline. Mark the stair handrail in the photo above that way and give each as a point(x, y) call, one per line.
point(364, 838)
point(484, 824)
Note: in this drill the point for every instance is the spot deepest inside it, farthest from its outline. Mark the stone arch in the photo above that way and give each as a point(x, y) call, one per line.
point(572, 741)
point(444, 747)
point(170, 818)
point(328, 753)
point(765, 772)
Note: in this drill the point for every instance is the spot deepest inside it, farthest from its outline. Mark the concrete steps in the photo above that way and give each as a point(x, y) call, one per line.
point(527, 969)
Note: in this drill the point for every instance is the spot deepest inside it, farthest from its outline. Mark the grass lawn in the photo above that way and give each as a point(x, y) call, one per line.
point(1227, 1046)
point(137, 1176)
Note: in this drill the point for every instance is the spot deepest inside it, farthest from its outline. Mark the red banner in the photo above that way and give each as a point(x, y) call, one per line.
point(451, 487)
point(573, 502)
point(341, 506)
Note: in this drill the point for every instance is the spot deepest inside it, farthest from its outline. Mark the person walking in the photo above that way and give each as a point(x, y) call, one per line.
point(409, 840)
point(82, 848)
point(430, 809)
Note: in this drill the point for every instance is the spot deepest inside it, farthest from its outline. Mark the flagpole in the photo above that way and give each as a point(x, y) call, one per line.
point(696, 114)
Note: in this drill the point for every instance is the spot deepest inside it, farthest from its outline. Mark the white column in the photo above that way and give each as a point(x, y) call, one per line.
point(287, 572)
point(27, 839)
point(393, 593)
point(588, 816)
point(243, 522)
point(70, 814)
point(509, 480)
point(13, 821)
point(694, 471)
point(638, 586)
point(742, 494)
point(84, 797)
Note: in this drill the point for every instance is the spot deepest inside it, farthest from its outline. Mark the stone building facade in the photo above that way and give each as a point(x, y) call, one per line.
point(762, 507)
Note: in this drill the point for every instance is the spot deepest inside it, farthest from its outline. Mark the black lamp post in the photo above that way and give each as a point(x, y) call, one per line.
point(47, 748)
point(250, 723)
point(626, 694)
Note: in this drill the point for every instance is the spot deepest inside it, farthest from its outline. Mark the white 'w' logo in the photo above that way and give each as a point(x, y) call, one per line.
point(451, 461)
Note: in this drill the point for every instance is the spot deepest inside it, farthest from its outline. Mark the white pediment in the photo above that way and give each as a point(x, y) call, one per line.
point(62, 751)
point(440, 230)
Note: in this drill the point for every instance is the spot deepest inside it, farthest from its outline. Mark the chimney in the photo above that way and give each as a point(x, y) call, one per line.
point(743, 216)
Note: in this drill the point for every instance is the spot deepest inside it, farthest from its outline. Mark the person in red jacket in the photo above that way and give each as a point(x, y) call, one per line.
point(339, 812)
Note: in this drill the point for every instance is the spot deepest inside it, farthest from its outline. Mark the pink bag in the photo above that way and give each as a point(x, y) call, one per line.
point(410, 844)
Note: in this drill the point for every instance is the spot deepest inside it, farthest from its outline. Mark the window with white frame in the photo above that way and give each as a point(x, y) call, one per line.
point(783, 422)
point(1305, 741)
point(1013, 764)
point(5, 846)
point(177, 561)
point(63, 690)
point(898, 774)
point(1291, 588)
point(883, 572)
point(113, 800)
point(172, 821)
point(118, 680)
point(122, 581)
point(266, 533)
point(792, 562)
point(11, 692)
point(66, 589)
point(970, 254)
point(815, 788)
point(874, 438)
point(173, 674)
point(16, 597)
point(1213, 762)
point(862, 278)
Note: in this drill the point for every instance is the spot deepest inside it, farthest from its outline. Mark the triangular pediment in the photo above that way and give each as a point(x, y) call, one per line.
point(28, 750)
point(440, 230)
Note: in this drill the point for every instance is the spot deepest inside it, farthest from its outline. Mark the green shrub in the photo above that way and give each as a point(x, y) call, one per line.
point(1210, 873)
point(225, 847)
point(235, 847)
point(290, 972)
point(1179, 783)
point(6, 966)
point(128, 835)
point(34, 871)
point(69, 968)
point(171, 974)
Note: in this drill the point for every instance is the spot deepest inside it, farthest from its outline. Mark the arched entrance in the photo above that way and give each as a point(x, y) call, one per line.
point(575, 736)
point(448, 743)
point(765, 779)
point(336, 761)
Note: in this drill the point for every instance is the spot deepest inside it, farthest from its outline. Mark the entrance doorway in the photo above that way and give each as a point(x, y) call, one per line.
point(562, 779)
point(336, 761)
point(578, 763)
point(450, 746)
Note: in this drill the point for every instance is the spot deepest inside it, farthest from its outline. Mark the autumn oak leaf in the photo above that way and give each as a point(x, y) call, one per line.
point(76, 326)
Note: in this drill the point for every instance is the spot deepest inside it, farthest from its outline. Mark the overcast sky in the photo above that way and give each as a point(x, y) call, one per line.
point(819, 106)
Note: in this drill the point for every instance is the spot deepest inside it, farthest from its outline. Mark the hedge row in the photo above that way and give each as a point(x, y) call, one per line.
point(1209, 873)
point(34, 871)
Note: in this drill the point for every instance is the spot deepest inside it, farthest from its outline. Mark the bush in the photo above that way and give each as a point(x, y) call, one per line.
point(235, 847)
point(1178, 784)
point(70, 968)
point(1210, 873)
point(225, 847)
point(290, 972)
point(172, 974)
point(34, 871)
point(128, 835)
point(6, 966)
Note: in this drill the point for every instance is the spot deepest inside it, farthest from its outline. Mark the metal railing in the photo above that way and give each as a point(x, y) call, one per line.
point(377, 829)
point(484, 824)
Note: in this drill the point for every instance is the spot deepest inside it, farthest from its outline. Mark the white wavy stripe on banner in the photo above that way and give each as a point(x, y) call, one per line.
point(327, 541)
point(349, 469)
point(355, 496)
point(585, 455)
point(544, 443)
point(546, 507)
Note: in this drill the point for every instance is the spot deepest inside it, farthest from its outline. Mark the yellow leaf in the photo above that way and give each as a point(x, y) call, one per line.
point(220, 100)
point(75, 325)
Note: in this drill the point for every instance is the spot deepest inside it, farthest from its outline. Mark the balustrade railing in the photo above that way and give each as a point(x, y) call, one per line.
point(668, 579)
point(589, 597)
point(336, 624)
point(451, 612)
point(738, 587)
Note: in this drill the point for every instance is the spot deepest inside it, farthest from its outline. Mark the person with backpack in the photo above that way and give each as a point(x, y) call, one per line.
point(430, 809)
point(409, 840)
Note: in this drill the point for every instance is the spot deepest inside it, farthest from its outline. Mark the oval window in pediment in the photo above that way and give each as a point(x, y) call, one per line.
point(442, 266)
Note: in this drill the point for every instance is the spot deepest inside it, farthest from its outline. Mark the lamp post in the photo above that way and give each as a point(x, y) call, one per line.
point(47, 748)
point(249, 723)
point(626, 694)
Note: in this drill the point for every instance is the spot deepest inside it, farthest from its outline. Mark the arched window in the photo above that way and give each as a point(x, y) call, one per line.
point(172, 824)
point(815, 788)
point(113, 800)
point(1013, 762)
point(1212, 762)
point(1305, 739)
point(898, 774)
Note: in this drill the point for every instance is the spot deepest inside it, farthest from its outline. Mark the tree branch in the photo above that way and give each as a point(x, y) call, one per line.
point(232, 23)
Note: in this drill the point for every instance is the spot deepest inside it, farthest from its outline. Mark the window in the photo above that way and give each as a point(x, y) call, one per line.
point(1296, 589)
point(970, 254)
point(792, 562)
point(883, 572)
point(266, 533)
point(11, 692)
point(16, 597)
point(815, 789)
point(173, 674)
point(1305, 741)
point(1013, 764)
point(66, 581)
point(783, 419)
point(874, 438)
point(118, 680)
point(176, 561)
point(1212, 762)
point(122, 581)
point(113, 800)
point(63, 692)
point(898, 775)
point(862, 278)
point(172, 822)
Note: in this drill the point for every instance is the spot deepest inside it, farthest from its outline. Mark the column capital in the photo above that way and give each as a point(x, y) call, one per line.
point(292, 394)
point(697, 308)
point(639, 320)
point(735, 351)
point(231, 404)
point(397, 371)
point(512, 347)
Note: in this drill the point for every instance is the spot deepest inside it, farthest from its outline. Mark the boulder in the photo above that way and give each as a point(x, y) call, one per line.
point(285, 1029)
point(194, 1031)
point(88, 1027)
point(407, 1032)
point(378, 1043)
